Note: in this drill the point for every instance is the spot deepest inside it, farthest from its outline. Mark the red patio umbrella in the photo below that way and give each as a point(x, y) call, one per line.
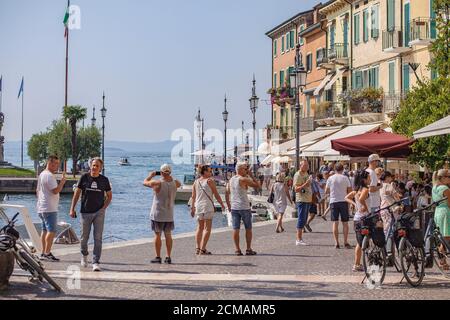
point(385, 144)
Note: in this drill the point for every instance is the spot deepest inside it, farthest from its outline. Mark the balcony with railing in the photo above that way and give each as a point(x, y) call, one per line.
point(423, 31)
point(330, 113)
point(392, 41)
point(392, 103)
point(365, 105)
point(282, 96)
point(339, 53)
point(323, 61)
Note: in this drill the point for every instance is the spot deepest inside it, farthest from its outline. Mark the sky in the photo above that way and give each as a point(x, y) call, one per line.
point(157, 61)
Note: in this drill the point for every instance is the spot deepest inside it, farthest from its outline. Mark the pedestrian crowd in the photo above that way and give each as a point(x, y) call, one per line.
point(334, 189)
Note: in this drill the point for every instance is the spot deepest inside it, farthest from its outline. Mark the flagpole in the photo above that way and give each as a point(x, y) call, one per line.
point(67, 63)
point(23, 93)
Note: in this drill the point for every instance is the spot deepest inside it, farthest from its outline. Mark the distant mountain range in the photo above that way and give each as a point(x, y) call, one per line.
point(126, 146)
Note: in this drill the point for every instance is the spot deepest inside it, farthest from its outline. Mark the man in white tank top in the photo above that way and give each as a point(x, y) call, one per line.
point(239, 205)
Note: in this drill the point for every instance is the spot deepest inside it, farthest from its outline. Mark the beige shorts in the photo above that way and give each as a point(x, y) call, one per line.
point(204, 216)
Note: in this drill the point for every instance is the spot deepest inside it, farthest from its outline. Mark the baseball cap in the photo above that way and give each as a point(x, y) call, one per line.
point(166, 168)
point(374, 157)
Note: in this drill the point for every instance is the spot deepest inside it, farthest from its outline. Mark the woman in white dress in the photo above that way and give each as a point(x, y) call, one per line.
point(281, 197)
point(203, 208)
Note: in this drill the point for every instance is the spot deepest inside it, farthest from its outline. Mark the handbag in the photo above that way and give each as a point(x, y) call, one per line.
point(271, 196)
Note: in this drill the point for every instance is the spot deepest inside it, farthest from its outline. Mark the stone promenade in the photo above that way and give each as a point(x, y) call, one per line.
point(279, 271)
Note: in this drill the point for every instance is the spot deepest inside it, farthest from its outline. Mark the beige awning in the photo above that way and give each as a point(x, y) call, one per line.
point(323, 147)
point(437, 128)
point(322, 84)
point(338, 74)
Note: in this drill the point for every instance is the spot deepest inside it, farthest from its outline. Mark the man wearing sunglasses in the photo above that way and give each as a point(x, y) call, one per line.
point(238, 203)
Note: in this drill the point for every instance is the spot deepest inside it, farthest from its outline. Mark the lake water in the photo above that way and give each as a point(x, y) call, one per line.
point(128, 216)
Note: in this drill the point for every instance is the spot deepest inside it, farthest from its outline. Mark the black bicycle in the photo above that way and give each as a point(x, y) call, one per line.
point(26, 260)
point(378, 249)
point(437, 249)
point(410, 237)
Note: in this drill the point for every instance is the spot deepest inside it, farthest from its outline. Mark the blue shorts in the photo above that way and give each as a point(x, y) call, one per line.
point(245, 216)
point(303, 211)
point(339, 209)
point(49, 221)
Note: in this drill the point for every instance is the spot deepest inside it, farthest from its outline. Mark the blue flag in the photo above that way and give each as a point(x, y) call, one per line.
point(21, 89)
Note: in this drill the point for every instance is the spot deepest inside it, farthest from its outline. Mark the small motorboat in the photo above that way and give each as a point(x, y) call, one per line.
point(124, 162)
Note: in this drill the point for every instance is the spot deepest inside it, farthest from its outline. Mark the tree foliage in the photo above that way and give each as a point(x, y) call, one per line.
point(440, 48)
point(38, 147)
point(425, 104)
point(89, 141)
point(74, 114)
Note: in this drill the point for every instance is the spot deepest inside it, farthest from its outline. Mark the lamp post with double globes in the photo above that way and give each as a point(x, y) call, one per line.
point(253, 106)
point(93, 120)
point(103, 111)
point(225, 119)
point(298, 81)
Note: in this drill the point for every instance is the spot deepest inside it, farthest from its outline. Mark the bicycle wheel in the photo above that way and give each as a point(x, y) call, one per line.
point(394, 257)
point(32, 264)
point(412, 261)
point(374, 262)
point(438, 257)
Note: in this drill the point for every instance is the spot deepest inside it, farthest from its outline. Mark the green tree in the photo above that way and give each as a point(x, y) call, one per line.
point(89, 142)
point(425, 104)
point(59, 140)
point(74, 114)
point(38, 148)
point(440, 48)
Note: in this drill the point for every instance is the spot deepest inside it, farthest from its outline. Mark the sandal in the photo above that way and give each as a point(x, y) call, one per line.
point(348, 246)
point(358, 268)
point(250, 252)
point(238, 253)
point(444, 265)
point(205, 252)
point(197, 251)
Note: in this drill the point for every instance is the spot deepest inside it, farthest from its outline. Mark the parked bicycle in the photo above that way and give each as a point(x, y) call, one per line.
point(437, 249)
point(10, 241)
point(377, 247)
point(411, 245)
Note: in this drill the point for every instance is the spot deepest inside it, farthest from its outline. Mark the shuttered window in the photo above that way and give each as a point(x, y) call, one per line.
point(275, 84)
point(282, 44)
point(375, 22)
point(275, 48)
point(288, 42)
point(391, 77)
point(406, 77)
point(407, 31)
point(390, 15)
point(282, 78)
point(356, 29)
point(292, 37)
point(365, 26)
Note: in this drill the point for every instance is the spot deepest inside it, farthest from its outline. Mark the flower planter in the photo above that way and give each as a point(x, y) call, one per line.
point(6, 269)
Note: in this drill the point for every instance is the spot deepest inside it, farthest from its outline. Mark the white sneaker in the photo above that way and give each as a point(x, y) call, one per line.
point(84, 261)
point(96, 267)
point(300, 243)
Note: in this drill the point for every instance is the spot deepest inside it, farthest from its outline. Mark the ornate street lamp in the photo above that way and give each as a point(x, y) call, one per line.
point(298, 82)
point(253, 106)
point(93, 120)
point(225, 119)
point(103, 112)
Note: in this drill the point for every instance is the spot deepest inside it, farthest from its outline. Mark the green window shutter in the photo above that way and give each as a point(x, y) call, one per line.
point(375, 22)
point(302, 27)
point(292, 36)
point(391, 77)
point(433, 20)
point(353, 80)
point(281, 78)
point(434, 74)
point(371, 78)
point(359, 80)
point(288, 41)
point(275, 80)
point(282, 44)
point(406, 77)
point(376, 77)
point(391, 15)
point(275, 48)
point(332, 36)
point(407, 31)
point(356, 29)
point(365, 26)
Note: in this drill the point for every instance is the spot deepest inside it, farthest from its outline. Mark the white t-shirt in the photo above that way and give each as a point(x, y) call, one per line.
point(338, 185)
point(47, 200)
point(374, 197)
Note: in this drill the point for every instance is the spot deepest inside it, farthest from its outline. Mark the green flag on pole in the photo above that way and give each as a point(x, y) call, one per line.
point(66, 18)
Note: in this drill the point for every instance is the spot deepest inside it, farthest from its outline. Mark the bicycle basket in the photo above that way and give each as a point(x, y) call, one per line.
point(411, 223)
point(371, 221)
point(377, 235)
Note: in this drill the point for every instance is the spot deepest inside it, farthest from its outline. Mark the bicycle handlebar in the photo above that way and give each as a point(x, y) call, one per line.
point(417, 211)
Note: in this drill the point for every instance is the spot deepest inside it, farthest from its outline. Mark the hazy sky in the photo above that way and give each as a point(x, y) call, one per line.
point(158, 62)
